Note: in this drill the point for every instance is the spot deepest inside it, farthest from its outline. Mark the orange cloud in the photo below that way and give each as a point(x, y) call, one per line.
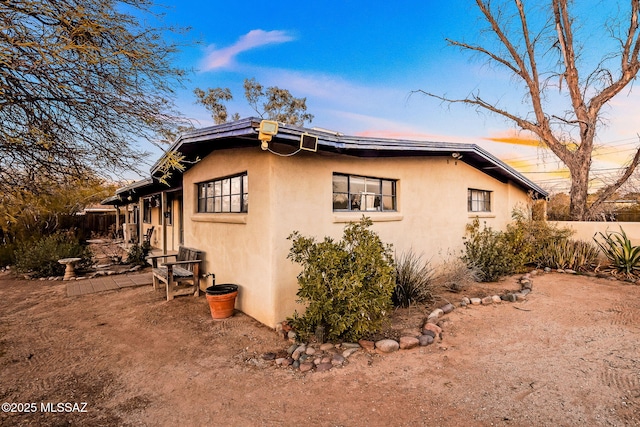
point(516, 138)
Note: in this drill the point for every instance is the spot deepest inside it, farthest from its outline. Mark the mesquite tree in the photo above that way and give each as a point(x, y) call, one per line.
point(547, 50)
point(82, 84)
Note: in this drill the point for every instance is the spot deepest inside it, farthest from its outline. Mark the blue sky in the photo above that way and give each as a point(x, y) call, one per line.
point(358, 62)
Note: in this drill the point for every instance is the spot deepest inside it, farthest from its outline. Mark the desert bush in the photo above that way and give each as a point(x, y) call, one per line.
point(414, 280)
point(454, 275)
point(618, 249)
point(346, 285)
point(496, 254)
point(138, 253)
point(571, 254)
point(6, 254)
point(39, 257)
point(488, 251)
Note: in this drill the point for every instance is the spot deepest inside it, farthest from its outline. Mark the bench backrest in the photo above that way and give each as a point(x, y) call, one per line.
point(189, 254)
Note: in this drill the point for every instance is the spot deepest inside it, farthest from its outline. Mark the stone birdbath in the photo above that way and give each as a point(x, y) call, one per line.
point(69, 272)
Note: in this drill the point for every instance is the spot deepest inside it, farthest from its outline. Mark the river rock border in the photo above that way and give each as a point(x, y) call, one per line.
point(307, 357)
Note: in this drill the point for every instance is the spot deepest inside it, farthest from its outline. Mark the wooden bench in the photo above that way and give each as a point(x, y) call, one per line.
point(182, 276)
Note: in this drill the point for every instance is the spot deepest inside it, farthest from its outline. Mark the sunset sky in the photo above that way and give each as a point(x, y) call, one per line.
point(358, 62)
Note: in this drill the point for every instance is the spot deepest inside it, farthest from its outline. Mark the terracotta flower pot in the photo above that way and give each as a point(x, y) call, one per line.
point(222, 300)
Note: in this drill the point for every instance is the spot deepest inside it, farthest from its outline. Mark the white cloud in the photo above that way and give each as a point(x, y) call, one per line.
point(224, 57)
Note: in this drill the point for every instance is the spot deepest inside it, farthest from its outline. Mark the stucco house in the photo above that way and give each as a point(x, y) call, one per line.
point(249, 184)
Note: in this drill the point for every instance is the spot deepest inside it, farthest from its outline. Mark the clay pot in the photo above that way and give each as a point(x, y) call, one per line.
point(222, 300)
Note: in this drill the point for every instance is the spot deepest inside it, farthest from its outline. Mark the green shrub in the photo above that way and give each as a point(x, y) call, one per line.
point(346, 285)
point(617, 247)
point(571, 254)
point(496, 254)
point(138, 253)
point(488, 251)
point(414, 281)
point(39, 257)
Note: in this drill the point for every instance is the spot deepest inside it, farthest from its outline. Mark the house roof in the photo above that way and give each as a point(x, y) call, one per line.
point(244, 133)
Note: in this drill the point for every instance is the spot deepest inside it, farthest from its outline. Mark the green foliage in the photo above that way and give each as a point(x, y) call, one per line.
point(39, 257)
point(414, 280)
point(138, 253)
point(496, 254)
point(6, 254)
point(618, 249)
point(346, 285)
point(488, 251)
point(567, 253)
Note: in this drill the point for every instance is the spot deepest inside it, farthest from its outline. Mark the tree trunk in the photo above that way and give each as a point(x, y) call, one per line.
point(579, 189)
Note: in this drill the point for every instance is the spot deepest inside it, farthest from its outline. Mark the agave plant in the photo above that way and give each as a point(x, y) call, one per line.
point(618, 249)
point(567, 253)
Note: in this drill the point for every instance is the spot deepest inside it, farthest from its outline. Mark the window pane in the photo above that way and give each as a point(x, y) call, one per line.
point(340, 184)
point(387, 188)
point(210, 190)
point(235, 185)
point(388, 203)
point(355, 202)
point(201, 205)
point(245, 184)
point(218, 204)
point(357, 185)
point(202, 191)
point(218, 188)
point(373, 185)
point(340, 201)
point(209, 205)
point(245, 203)
point(226, 203)
point(235, 203)
point(368, 202)
point(226, 187)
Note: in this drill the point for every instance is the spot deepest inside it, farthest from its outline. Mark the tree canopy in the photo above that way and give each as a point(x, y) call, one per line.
point(272, 104)
point(82, 84)
point(549, 50)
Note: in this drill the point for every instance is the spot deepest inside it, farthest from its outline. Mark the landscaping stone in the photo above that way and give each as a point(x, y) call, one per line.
point(475, 301)
point(321, 367)
point(291, 349)
point(496, 299)
point(387, 346)
point(448, 308)
point(348, 352)
point(425, 340)
point(407, 343)
point(337, 359)
point(428, 333)
point(350, 345)
point(367, 345)
point(487, 301)
point(327, 346)
point(310, 351)
point(431, 327)
point(306, 366)
point(437, 313)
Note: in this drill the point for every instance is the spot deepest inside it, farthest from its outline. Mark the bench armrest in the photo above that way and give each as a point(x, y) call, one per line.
point(193, 261)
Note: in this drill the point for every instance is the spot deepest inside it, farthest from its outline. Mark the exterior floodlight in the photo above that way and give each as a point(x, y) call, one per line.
point(308, 142)
point(267, 129)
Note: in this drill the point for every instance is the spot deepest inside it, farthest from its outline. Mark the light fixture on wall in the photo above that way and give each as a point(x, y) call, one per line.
point(456, 156)
point(267, 129)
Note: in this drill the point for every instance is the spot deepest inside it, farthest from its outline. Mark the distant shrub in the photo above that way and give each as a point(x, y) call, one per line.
point(346, 285)
point(138, 253)
point(39, 257)
point(454, 275)
point(414, 280)
point(7, 254)
point(569, 254)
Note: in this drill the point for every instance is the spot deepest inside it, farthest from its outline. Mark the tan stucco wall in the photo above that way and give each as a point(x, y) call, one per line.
point(295, 193)
point(172, 231)
point(585, 230)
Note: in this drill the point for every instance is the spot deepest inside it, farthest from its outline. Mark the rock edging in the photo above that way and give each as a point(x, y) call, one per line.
point(307, 357)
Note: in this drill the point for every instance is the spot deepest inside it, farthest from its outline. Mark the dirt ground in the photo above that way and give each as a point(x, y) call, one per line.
point(569, 355)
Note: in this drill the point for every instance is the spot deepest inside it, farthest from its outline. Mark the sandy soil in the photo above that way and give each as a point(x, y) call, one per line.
point(568, 356)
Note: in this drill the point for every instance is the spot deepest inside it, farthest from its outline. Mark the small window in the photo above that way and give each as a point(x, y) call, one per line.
point(479, 200)
point(229, 194)
point(361, 193)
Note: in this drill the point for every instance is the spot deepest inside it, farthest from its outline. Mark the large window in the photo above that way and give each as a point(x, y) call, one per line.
point(478, 200)
point(230, 194)
point(361, 193)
